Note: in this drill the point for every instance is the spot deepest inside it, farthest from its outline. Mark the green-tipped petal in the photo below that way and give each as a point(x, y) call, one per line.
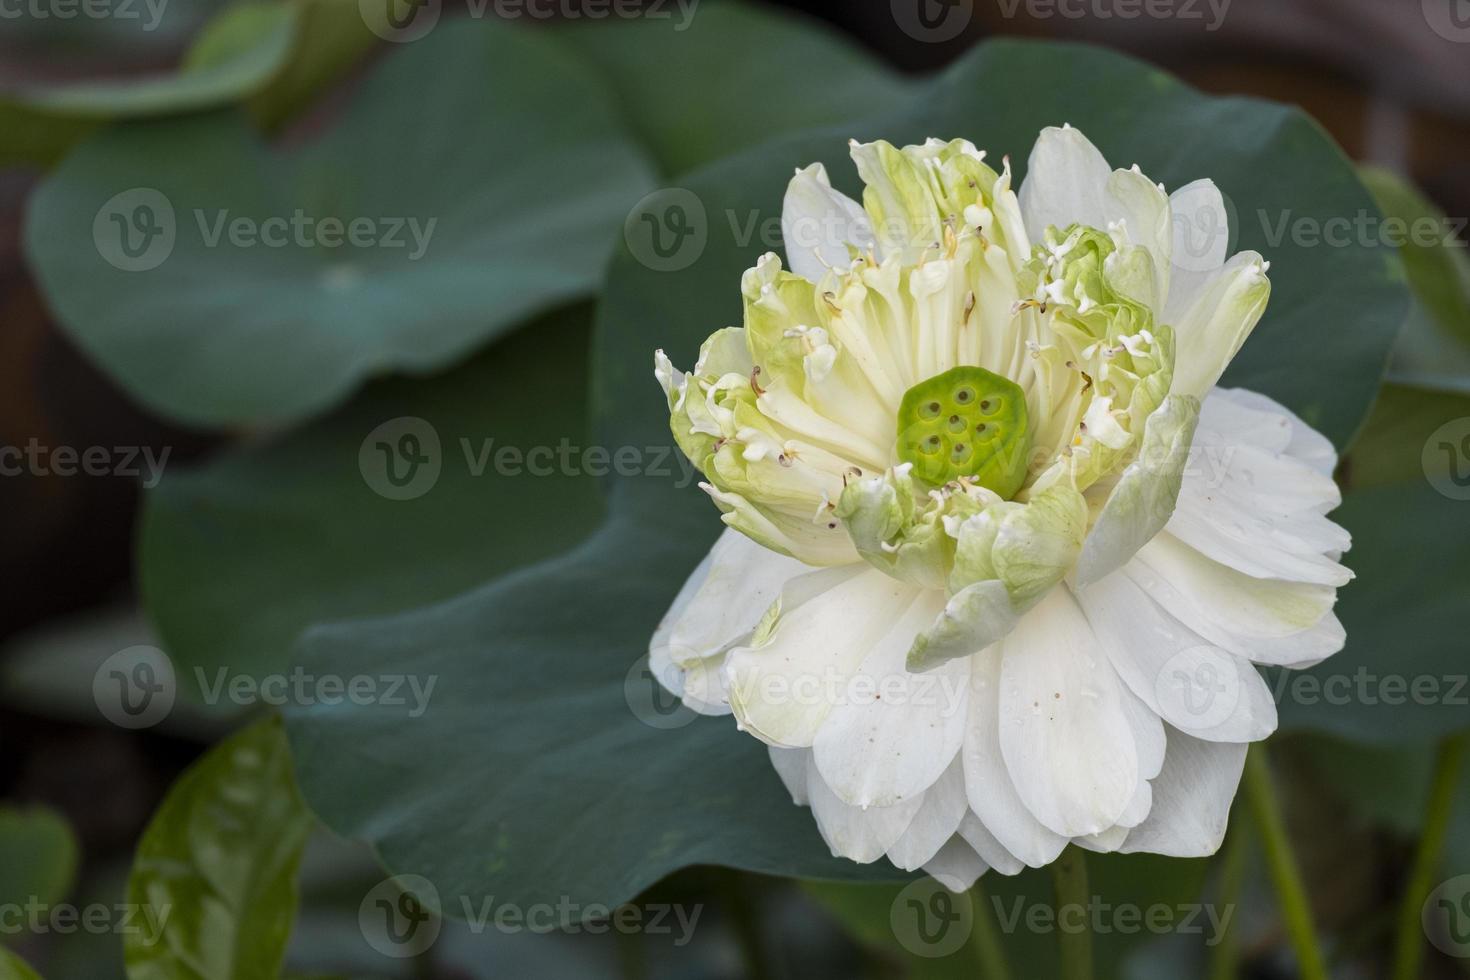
point(1143, 500)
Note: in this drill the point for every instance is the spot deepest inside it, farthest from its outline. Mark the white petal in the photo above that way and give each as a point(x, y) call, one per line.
point(1143, 207)
point(1104, 842)
point(791, 766)
point(938, 818)
point(1305, 443)
point(895, 732)
point(1064, 728)
point(1193, 685)
point(1263, 619)
point(991, 851)
point(717, 607)
point(1215, 326)
point(1249, 502)
point(861, 835)
point(956, 866)
point(1192, 798)
point(1066, 181)
point(992, 794)
point(1201, 232)
point(724, 598)
point(819, 223)
point(783, 689)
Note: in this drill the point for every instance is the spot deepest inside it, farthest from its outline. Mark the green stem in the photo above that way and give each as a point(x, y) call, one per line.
point(1225, 964)
point(746, 922)
point(985, 938)
point(1282, 861)
point(1069, 878)
point(1409, 951)
point(632, 958)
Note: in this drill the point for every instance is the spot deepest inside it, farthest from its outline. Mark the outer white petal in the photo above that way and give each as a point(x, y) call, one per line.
point(992, 794)
point(1066, 181)
point(783, 689)
point(1303, 442)
point(791, 766)
point(895, 732)
point(1266, 620)
point(1215, 326)
point(991, 851)
point(862, 835)
point(1251, 502)
point(1192, 798)
point(1065, 731)
point(1194, 686)
point(819, 223)
point(938, 818)
point(1201, 233)
point(718, 606)
point(956, 866)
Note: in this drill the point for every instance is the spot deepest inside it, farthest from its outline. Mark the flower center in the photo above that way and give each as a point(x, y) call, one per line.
point(967, 422)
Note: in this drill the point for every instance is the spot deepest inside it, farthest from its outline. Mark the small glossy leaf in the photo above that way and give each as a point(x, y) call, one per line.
point(215, 872)
point(12, 967)
point(222, 282)
point(276, 53)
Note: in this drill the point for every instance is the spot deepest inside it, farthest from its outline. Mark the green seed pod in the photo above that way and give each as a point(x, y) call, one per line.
point(966, 422)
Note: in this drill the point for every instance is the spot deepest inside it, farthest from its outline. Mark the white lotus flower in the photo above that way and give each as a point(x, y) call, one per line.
point(1001, 556)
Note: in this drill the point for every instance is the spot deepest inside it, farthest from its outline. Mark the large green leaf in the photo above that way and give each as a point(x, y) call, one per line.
point(215, 872)
point(473, 209)
point(38, 856)
point(274, 52)
point(545, 780)
point(241, 554)
point(731, 75)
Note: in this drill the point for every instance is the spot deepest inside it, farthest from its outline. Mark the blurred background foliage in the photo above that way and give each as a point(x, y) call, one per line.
point(262, 372)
